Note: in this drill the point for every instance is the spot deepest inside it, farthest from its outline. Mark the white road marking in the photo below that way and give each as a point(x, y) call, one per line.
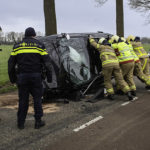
point(124, 104)
point(88, 124)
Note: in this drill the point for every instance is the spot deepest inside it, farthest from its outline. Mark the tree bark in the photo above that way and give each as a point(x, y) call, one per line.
point(119, 18)
point(50, 17)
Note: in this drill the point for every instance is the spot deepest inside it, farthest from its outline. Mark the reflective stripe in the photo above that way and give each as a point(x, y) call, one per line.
point(140, 52)
point(110, 91)
point(109, 61)
point(133, 87)
point(144, 64)
point(148, 82)
point(92, 40)
point(13, 53)
point(126, 89)
point(20, 48)
point(107, 53)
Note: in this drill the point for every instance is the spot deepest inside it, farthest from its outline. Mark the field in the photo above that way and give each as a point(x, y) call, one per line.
point(4, 79)
point(147, 47)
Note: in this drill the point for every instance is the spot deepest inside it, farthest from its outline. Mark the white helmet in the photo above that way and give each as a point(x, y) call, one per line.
point(101, 40)
point(114, 38)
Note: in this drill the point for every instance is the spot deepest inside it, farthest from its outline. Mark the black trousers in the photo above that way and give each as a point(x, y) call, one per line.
point(29, 83)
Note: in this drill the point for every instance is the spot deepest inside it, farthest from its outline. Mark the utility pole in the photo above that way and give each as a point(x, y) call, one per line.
point(0, 41)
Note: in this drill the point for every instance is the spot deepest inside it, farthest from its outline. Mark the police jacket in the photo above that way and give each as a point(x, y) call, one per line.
point(107, 54)
point(29, 56)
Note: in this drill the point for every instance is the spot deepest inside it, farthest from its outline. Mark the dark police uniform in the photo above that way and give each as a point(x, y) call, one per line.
point(29, 56)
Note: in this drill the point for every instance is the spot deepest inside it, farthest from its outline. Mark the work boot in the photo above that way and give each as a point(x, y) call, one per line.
point(130, 97)
point(147, 87)
point(119, 92)
point(39, 124)
point(20, 126)
point(111, 97)
point(133, 93)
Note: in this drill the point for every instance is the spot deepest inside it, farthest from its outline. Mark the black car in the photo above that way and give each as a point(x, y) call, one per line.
point(76, 66)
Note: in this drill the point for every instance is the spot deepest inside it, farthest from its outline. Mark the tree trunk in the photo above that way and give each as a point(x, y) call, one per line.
point(119, 18)
point(50, 17)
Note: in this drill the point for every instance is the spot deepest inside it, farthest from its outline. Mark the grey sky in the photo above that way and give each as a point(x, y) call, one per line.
point(72, 16)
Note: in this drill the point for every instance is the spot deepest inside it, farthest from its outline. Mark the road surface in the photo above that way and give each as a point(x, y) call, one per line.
point(104, 125)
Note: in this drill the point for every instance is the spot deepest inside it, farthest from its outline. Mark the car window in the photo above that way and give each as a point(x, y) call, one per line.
point(75, 59)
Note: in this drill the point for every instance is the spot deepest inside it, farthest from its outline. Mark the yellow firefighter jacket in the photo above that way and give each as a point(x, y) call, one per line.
point(107, 54)
point(123, 53)
point(139, 50)
point(136, 58)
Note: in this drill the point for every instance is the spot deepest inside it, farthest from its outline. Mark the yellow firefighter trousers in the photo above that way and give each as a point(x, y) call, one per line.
point(127, 71)
point(139, 73)
point(145, 66)
point(116, 72)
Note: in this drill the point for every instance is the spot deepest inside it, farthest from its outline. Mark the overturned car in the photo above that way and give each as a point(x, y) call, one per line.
point(76, 66)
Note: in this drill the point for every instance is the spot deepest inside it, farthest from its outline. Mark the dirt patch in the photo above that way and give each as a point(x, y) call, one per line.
point(10, 101)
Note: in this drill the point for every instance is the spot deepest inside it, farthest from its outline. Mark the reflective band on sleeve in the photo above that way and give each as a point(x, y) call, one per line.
point(92, 40)
point(37, 48)
point(144, 64)
point(98, 45)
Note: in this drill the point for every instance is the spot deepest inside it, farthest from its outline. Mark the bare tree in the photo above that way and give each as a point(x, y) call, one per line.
point(142, 6)
point(50, 17)
point(119, 16)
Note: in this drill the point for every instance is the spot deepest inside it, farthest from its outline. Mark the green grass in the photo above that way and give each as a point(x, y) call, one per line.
point(146, 47)
point(4, 56)
point(5, 85)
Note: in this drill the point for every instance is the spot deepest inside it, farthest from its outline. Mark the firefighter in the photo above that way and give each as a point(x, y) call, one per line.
point(137, 67)
point(29, 55)
point(140, 52)
point(126, 61)
point(110, 66)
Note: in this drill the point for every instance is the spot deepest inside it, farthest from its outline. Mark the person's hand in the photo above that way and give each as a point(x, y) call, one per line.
point(90, 36)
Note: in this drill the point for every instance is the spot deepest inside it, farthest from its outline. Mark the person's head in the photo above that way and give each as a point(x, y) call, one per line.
point(123, 39)
point(137, 39)
point(30, 32)
point(130, 38)
point(115, 39)
point(103, 41)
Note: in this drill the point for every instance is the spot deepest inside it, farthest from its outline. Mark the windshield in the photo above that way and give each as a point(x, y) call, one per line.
point(75, 59)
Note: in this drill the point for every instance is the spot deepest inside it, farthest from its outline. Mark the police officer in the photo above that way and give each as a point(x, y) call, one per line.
point(126, 61)
point(110, 66)
point(29, 55)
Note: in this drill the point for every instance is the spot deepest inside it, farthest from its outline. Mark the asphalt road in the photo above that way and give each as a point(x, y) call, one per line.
point(106, 125)
point(127, 128)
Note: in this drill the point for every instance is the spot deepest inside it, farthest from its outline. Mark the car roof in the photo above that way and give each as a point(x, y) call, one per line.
point(98, 34)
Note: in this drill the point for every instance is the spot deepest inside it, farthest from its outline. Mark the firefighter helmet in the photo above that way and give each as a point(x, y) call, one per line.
point(101, 40)
point(115, 38)
point(130, 38)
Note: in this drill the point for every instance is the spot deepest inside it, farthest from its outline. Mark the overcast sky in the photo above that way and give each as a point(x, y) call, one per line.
point(72, 16)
